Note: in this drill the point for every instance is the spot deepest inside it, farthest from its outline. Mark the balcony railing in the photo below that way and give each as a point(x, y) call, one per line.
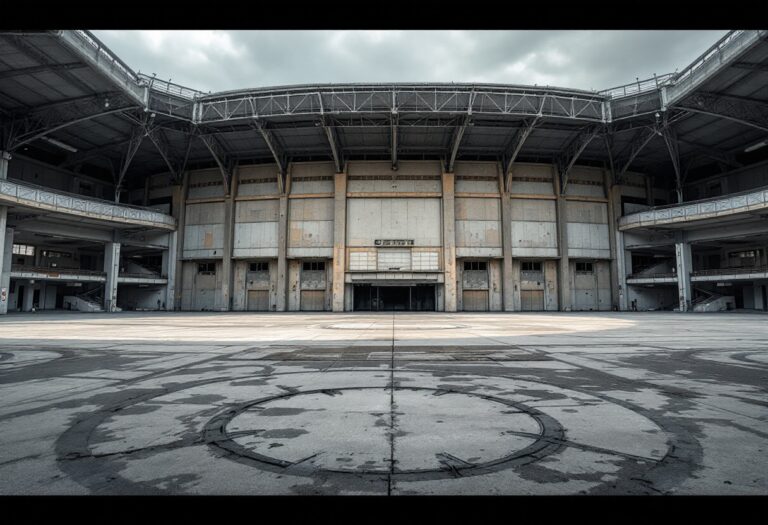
point(32, 195)
point(730, 271)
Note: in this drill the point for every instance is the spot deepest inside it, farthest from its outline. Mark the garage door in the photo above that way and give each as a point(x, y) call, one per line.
point(585, 300)
point(475, 300)
point(312, 300)
point(258, 300)
point(532, 300)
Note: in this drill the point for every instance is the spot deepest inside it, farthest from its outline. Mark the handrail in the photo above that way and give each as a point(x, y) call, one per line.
point(707, 55)
point(43, 269)
point(90, 39)
point(641, 275)
point(637, 87)
point(164, 86)
point(725, 271)
point(701, 201)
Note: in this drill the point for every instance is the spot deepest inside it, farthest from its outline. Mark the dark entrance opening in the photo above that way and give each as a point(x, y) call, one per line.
point(420, 297)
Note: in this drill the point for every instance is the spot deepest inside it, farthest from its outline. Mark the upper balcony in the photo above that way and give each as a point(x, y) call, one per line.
point(745, 204)
point(28, 195)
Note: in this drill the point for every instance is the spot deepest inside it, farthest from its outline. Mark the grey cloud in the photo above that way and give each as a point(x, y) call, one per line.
point(576, 59)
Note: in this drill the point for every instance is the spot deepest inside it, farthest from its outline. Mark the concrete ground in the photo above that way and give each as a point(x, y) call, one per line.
point(245, 403)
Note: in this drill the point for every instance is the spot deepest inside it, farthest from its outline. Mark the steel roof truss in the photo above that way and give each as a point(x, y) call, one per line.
point(571, 154)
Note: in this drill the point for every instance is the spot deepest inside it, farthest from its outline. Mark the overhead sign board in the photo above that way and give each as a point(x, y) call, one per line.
point(393, 242)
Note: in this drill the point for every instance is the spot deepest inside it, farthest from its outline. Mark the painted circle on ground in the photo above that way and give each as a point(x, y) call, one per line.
point(371, 431)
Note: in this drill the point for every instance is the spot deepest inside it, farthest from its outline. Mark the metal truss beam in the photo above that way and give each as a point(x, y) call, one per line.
point(41, 122)
point(571, 154)
point(223, 161)
point(81, 156)
point(405, 100)
point(333, 142)
point(393, 123)
point(278, 153)
point(455, 143)
point(637, 145)
point(608, 141)
point(513, 149)
point(160, 141)
point(137, 137)
point(670, 138)
point(744, 111)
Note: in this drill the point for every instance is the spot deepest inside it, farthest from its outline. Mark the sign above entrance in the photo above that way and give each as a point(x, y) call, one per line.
point(393, 242)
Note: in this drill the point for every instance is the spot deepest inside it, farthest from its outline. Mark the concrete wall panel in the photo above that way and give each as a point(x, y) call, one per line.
point(370, 219)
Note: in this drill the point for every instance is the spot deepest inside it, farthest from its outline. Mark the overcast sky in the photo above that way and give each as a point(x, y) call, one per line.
point(224, 60)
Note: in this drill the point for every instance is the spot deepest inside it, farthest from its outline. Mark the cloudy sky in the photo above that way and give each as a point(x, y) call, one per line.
point(223, 60)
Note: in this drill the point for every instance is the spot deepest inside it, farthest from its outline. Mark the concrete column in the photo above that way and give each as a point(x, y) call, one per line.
point(623, 267)
point(449, 242)
point(613, 193)
point(508, 287)
point(339, 240)
point(229, 231)
point(6, 258)
point(112, 269)
point(6, 249)
point(179, 206)
point(29, 296)
point(563, 270)
point(684, 265)
point(168, 270)
point(282, 248)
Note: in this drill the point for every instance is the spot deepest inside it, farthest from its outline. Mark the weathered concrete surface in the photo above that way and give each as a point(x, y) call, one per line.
point(214, 403)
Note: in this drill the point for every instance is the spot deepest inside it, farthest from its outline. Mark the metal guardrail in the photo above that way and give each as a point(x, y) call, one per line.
point(721, 51)
point(95, 50)
point(637, 87)
point(729, 271)
point(695, 210)
point(41, 197)
point(169, 88)
point(665, 275)
point(61, 271)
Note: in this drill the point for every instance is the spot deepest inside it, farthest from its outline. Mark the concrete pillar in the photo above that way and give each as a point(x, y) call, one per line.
point(229, 232)
point(563, 270)
point(112, 269)
point(282, 248)
point(29, 296)
point(449, 242)
point(168, 270)
point(623, 267)
point(508, 287)
point(6, 250)
point(613, 193)
point(6, 258)
point(179, 208)
point(684, 265)
point(339, 240)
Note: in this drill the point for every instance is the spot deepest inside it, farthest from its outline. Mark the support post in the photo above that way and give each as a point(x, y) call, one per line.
point(282, 247)
point(112, 269)
point(613, 193)
point(226, 260)
point(179, 205)
point(507, 271)
point(684, 266)
point(449, 242)
point(6, 257)
point(169, 270)
point(563, 270)
point(339, 239)
point(6, 249)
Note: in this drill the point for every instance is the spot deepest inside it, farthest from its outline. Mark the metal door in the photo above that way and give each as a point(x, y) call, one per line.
point(475, 300)
point(258, 300)
point(312, 300)
point(532, 300)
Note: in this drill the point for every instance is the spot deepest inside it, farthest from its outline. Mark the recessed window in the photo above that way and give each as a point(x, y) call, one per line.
point(584, 267)
point(531, 266)
point(51, 254)
point(313, 266)
point(206, 268)
point(475, 266)
point(23, 249)
point(259, 267)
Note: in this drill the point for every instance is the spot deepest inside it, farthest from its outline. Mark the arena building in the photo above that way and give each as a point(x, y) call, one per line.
point(121, 191)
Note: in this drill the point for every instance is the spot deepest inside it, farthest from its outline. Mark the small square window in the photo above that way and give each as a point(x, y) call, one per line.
point(585, 267)
point(475, 266)
point(259, 267)
point(531, 266)
point(313, 266)
point(206, 268)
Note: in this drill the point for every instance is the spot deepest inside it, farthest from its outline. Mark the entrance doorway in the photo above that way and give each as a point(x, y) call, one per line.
point(420, 297)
